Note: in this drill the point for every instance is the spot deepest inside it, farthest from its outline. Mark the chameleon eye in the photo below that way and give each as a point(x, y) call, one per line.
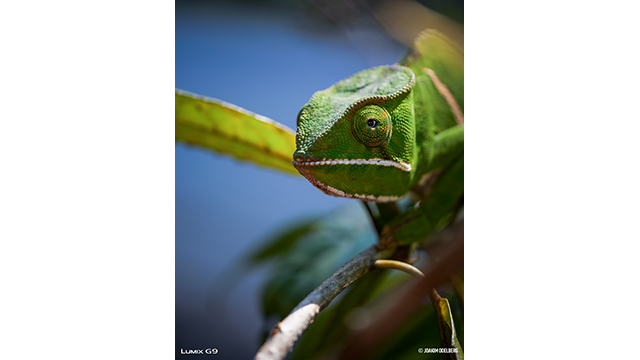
point(371, 125)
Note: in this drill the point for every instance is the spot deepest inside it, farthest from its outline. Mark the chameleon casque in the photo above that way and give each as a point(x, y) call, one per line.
point(388, 130)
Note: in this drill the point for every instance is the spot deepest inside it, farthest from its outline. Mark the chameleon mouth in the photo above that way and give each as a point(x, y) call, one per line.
point(380, 162)
point(339, 193)
point(304, 169)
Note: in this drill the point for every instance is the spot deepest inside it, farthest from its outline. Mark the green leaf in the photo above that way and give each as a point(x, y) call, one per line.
point(448, 337)
point(305, 255)
point(228, 129)
point(282, 245)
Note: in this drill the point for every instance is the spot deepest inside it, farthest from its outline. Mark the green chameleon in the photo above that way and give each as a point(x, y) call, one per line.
point(389, 130)
point(376, 136)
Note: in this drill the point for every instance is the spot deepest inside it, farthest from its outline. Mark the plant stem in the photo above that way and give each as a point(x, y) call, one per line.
point(287, 331)
point(398, 265)
point(448, 259)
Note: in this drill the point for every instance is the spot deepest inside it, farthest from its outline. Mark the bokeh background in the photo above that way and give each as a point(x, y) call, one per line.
point(268, 57)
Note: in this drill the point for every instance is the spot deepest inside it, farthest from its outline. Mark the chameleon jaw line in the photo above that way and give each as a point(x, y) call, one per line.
point(303, 168)
point(329, 190)
point(381, 162)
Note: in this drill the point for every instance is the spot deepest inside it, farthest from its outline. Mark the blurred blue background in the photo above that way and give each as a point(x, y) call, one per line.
point(268, 59)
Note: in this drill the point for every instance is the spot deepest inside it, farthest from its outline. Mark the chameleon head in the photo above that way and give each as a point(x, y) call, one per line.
point(357, 138)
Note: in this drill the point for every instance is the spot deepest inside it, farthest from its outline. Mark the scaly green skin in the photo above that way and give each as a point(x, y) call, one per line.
point(333, 126)
point(375, 135)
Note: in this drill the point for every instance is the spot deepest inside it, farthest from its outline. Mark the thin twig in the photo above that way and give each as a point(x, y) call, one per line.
point(287, 331)
point(448, 259)
point(398, 265)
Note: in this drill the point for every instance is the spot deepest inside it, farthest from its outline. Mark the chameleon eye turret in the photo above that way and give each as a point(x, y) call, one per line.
point(371, 125)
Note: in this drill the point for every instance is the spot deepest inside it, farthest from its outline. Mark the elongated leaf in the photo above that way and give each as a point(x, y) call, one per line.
point(228, 129)
point(306, 255)
point(448, 337)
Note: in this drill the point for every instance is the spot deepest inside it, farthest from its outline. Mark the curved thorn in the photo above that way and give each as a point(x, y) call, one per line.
point(398, 265)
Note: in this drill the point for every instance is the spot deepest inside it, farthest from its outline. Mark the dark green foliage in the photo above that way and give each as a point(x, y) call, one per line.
point(307, 254)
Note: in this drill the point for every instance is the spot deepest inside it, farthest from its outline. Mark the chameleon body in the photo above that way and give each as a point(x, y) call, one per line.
point(383, 131)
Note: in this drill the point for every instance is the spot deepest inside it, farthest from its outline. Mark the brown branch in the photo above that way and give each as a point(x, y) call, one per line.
point(448, 259)
point(287, 331)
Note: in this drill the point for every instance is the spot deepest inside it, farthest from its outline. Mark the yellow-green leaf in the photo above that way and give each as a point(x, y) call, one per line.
point(225, 128)
point(448, 337)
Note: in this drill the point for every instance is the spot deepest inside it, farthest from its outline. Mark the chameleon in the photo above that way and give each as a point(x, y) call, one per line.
point(391, 130)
